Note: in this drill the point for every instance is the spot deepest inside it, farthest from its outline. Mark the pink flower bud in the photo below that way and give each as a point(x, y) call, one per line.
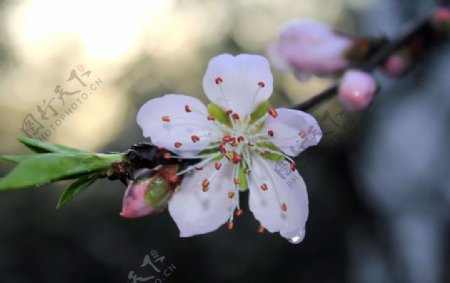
point(146, 196)
point(310, 48)
point(441, 16)
point(397, 65)
point(357, 89)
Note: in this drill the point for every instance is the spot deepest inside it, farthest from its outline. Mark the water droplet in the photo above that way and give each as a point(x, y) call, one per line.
point(297, 238)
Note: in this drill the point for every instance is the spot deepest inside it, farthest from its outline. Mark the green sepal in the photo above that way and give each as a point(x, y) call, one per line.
point(39, 169)
point(243, 183)
point(260, 111)
point(270, 155)
point(219, 114)
point(75, 189)
point(39, 146)
point(158, 193)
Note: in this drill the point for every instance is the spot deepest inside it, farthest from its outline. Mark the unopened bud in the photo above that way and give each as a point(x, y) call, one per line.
point(357, 89)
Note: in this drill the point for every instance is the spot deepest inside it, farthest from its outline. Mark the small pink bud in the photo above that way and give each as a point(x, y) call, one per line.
point(396, 65)
point(146, 196)
point(441, 16)
point(357, 89)
point(310, 48)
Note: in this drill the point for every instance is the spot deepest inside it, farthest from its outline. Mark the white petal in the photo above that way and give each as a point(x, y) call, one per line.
point(284, 186)
point(240, 75)
point(182, 125)
point(198, 212)
point(293, 131)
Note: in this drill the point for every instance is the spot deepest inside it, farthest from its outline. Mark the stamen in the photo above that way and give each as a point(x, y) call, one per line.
point(270, 133)
point(250, 144)
point(246, 171)
point(302, 134)
point(231, 195)
point(238, 212)
point(198, 168)
point(261, 84)
point(195, 138)
point(178, 144)
point(187, 109)
point(227, 138)
point(263, 153)
point(260, 229)
point(293, 166)
point(264, 187)
point(165, 119)
point(205, 185)
point(211, 118)
point(217, 165)
point(236, 158)
point(240, 139)
point(237, 181)
point(218, 80)
point(229, 111)
point(234, 143)
point(283, 206)
point(230, 225)
point(235, 116)
point(273, 112)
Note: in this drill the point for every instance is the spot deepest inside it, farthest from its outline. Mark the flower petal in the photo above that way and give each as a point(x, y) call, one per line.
point(283, 206)
point(198, 212)
point(239, 83)
point(293, 131)
point(179, 125)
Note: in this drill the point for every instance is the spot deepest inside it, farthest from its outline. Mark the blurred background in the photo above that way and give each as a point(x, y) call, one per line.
point(76, 72)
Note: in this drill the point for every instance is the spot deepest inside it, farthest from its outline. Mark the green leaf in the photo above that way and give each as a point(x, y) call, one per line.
point(260, 111)
point(39, 169)
point(39, 146)
point(218, 113)
point(75, 189)
point(271, 155)
point(14, 158)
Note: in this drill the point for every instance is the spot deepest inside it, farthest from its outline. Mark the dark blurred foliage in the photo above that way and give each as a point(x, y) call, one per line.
point(351, 235)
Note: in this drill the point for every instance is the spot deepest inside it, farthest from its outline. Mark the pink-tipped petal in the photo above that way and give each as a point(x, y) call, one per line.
point(357, 89)
point(134, 205)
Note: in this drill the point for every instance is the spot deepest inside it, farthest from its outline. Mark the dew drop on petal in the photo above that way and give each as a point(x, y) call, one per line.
point(298, 238)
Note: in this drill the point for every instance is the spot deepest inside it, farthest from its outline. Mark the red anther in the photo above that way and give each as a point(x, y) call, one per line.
point(240, 139)
point(263, 153)
point(205, 189)
point(283, 206)
point(231, 195)
point(160, 148)
point(302, 134)
point(293, 166)
point(217, 165)
point(238, 212)
point(166, 155)
point(264, 187)
point(195, 138)
point(235, 116)
point(178, 144)
point(173, 179)
point(222, 148)
point(270, 133)
point(228, 112)
point(205, 184)
point(237, 181)
point(236, 157)
point(227, 138)
point(260, 229)
point(218, 80)
point(230, 225)
point(165, 119)
point(273, 112)
point(187, 109)
point(261, 84)
point(250, 144)
point(198, 168)
point(234, 142)
point(211, 118)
